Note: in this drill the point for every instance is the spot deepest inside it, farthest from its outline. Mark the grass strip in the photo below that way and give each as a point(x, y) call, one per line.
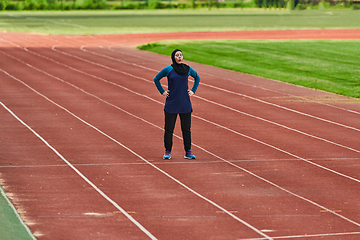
point(11, 225)
point(328, 65)
point(140, 21)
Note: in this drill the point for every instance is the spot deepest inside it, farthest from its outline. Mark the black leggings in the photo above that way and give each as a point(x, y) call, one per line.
point(170, 120)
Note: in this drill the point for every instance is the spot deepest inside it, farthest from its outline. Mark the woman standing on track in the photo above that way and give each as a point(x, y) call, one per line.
point(177, 101)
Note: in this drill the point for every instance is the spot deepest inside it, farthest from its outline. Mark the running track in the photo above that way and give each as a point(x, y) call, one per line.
point(81, 146)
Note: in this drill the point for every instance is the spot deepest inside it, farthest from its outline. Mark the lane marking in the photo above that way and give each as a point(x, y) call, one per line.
point(171, 162)
point(333, 210)
point(131, 151)
point(246, 84)
point(82, 48)
point(71, 38)
point(224, 160)
point(222, 77)
point(224, 212)
point(279, 125)
point(195, 116)
point(278, 149)
point(74, 168)
point(176, 216)
point(303, 198)
point(262, 238)
point(307, 236)
point(215, 103)
point(204, 99)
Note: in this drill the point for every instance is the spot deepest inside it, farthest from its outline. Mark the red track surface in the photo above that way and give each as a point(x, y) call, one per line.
point(81, 146)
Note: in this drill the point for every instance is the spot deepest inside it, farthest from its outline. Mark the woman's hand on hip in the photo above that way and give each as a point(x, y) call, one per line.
point(166, 94)
point(190, 93)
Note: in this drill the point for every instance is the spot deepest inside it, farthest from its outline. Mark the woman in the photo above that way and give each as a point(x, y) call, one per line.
point(177, 101)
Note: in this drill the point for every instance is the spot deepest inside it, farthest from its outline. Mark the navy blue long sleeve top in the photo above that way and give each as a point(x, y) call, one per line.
point(178, 100)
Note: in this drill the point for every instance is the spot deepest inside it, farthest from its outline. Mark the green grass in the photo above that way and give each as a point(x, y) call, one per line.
point(132, 21)
point(332, 66)
point(11, 226)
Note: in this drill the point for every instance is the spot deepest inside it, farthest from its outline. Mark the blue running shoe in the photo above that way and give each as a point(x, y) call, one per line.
point(189, 155)
point(167, 155)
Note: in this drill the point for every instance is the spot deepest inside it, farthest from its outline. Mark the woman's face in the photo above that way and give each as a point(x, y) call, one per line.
point(178, 57)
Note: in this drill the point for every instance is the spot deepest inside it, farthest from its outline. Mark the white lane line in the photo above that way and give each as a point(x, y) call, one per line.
point(285, 108)
point(212, 102)
point(167, 163)
point(222, 77)
point(278, 124)
point(308, 236)
point(304, 198)
point(269, 103)
point(204, 99)
point(208, 121)
point(208, 85)
point(204, 73)
point(287, 94)
point(16, 213)
point(71, 166)
point(218, 157)
point(266, 144)
point(278, 149)
point(134, 153)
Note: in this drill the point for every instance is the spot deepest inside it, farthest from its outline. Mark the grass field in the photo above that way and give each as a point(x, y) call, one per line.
point(114, 22)
point(332, 66)
point(11, 227)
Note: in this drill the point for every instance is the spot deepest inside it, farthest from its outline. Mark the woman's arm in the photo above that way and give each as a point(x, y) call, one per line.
point(163, 73)
point(196, 77)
